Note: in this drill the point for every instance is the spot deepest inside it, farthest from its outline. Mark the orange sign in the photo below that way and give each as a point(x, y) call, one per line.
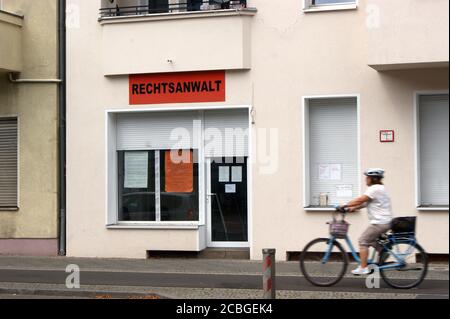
point(179, 173)
point(187, 87)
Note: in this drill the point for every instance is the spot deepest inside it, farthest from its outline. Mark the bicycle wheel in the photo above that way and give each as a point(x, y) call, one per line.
point(318, 271)
point(414, 270)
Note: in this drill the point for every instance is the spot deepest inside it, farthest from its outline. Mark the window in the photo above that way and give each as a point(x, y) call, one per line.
point(158, 186)
point(155, 178)
point(194, 5)
point(8, 163)
point(433, 131)
point(330, 4)
point(327, 2)
point(157, 162)
point(331, 141)
point(137, 192)
point(158, 6)
point(179, 186)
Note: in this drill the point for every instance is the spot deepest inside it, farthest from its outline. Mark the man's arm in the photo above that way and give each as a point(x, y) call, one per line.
point(358, 203)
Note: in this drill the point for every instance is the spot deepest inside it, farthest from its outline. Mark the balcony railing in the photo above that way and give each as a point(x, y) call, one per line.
point(155, 7)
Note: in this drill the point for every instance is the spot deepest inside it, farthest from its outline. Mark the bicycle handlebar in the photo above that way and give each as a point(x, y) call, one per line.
point(343, 210)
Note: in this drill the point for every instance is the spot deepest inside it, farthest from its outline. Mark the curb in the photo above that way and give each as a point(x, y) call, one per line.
point(79, 293)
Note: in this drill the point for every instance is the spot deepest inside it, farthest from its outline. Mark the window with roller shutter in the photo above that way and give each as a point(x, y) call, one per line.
point(433, 131)
point(332, 150)
point(8, 163)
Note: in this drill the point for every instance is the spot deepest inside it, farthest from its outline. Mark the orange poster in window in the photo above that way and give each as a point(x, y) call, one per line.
point(179, 171)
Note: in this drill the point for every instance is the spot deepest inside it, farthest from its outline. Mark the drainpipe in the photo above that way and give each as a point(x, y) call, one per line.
point(62, 127)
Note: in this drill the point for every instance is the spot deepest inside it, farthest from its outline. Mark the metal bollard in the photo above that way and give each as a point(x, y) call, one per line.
point(269, 274)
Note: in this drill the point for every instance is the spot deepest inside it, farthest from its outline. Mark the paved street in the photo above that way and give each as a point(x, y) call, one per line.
point(188, 278)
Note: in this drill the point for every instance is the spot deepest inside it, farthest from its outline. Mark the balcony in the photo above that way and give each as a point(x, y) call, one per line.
point(175, 36)
point(408, 34)
point(10, 42)
point(123, 8)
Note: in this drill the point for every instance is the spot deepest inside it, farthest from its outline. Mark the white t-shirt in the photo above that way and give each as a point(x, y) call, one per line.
point(379, 206)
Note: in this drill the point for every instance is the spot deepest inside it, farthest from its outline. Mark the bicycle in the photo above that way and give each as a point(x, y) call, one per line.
point(402, 262)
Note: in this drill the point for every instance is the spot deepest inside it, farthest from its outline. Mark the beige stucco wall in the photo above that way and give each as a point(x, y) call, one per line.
point(194, 43)
point(293, 55)
point(407, 32)
point(35, 105)
point(10, 42)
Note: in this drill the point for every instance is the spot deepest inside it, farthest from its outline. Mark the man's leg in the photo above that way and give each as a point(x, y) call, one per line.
point(368, 239)
point(364, 256)
point(365, 241)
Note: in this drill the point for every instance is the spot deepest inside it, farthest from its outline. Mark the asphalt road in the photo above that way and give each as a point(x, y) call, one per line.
point(429, 288)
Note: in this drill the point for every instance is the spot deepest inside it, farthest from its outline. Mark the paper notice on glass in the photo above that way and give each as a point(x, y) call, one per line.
point(224, 174)
point(230, 188)
point(136, 170)
point(236, 174)
point(179, 176)
point(344, 191)
point(324, 172)
point(336, 172)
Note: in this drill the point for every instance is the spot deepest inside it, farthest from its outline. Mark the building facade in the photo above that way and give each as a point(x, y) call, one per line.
point(196, 125)
point(29, 127)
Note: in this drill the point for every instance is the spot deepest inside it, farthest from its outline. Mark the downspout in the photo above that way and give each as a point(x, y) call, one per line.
point(62, 127)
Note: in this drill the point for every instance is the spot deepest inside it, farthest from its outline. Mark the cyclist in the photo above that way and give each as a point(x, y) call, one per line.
point(378, 204)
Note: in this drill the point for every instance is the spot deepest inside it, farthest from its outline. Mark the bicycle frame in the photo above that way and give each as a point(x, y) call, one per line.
point(392, 239)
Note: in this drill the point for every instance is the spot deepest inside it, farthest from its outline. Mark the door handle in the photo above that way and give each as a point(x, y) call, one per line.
point(212, 194)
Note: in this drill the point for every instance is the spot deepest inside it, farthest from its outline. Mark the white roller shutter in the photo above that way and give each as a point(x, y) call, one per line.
point(226, 133)
point(434, 149)
point(158, 131)
point(8, 163)
point(333, 145)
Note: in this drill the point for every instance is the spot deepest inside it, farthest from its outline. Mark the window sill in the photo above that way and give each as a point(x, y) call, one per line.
point(433, 208)
point(177, 15)
point(9, 209)
point(156, 226)
point(339, 7)
point(319, 209)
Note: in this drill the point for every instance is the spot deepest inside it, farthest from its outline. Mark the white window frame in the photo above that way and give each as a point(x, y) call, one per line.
point(16, 209)
point(416, 124)
point(309, 7)
point(111, 169)
point(305, 146)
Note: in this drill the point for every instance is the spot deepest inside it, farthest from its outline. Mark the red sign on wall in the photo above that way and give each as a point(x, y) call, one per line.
point(387, 136)
point(187, 87)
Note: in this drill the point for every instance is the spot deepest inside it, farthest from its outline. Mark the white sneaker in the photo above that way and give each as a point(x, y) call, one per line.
point(361, 271)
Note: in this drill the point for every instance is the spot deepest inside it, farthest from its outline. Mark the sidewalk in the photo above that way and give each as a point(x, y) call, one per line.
point(186, 279)
point(438, 271)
